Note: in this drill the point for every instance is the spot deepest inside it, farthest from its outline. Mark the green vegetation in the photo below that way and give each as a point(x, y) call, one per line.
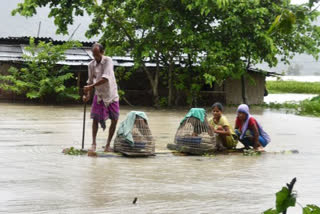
point(286, 198)
point(41, 77)
point(251, 152)
point(306, 107)
point(293, 87)
point(310, 107)
point(209, 155)
point(73, 151)
point(211, 40)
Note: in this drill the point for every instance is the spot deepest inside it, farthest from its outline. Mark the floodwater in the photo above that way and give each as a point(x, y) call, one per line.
point(282, 98)
point(296, 78)
point(291, 97)
point(37, 178)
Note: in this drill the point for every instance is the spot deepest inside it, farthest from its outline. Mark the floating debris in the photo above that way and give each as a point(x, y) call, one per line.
point(135, 200)
point(73, 151)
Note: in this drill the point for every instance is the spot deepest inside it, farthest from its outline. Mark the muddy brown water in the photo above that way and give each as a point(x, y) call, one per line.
point(36, 178)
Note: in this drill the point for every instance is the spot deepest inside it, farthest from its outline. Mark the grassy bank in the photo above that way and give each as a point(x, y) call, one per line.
point(293, 87)
point(305, 107)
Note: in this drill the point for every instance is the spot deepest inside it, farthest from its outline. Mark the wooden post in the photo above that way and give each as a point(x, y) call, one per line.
point(84, 125)
point(79, 82)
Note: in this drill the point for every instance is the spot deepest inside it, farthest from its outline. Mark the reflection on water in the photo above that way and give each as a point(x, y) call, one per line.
point(36, 178)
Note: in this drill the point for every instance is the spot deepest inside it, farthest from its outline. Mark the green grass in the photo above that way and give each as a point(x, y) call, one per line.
point(293, 87)
point(310, 107)
point(305, 107)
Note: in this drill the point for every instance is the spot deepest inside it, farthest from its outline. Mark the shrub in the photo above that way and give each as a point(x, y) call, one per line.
point(41, 76)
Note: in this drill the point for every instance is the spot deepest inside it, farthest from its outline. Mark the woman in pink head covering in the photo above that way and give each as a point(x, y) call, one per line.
point(249, 131)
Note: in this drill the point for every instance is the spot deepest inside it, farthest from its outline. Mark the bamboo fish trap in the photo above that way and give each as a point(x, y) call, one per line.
point(194, 136)
point(134, 136)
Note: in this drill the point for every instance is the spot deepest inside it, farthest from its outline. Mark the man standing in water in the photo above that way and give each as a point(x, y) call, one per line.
point(106, 99)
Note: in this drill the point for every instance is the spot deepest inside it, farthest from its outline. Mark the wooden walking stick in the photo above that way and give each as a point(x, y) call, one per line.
point(84, 124)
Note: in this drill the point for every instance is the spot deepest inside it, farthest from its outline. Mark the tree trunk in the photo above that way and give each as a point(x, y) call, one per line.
point(244, 91)
point(79, 83)
point(243, 83)
point(155, 96)
point(154, 82)
point(171, 67)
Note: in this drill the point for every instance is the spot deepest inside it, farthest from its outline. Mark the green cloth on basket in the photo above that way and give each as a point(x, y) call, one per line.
point(126, 126)
point(199, 113)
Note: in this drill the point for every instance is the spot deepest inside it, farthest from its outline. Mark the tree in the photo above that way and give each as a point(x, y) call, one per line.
point(193, 42)
point(247, 33)
point(41, 76)
point(160, 32)
point(157, 32)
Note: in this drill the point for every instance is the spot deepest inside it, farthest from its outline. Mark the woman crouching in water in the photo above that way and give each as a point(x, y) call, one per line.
point(220, 125)
point(249, 131)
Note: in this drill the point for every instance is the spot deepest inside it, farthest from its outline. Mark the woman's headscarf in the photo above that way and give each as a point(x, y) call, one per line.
point(245, 109)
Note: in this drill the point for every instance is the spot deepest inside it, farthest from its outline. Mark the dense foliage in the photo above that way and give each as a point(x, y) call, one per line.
point(41, 77)
point(192, 42)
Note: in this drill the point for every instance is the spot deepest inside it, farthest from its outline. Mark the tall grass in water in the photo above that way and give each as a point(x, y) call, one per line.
point(310, 107)
point(305, 107)
point(293, 87)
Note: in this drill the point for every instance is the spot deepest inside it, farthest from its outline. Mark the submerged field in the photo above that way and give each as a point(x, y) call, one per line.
point(293, 87)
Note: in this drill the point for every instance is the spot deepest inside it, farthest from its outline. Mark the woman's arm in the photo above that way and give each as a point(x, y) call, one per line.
point(236, 126)
point(255, 135)
point(223, 130)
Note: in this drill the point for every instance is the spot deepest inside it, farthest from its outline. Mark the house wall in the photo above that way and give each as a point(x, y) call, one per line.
point(138, 92)
point(255, 90)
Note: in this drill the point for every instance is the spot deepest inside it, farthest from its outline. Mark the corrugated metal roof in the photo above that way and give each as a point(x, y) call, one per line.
point(266, 73)
point(26, 39)
point(74, 57)
point(10, 59)
point(11, 48)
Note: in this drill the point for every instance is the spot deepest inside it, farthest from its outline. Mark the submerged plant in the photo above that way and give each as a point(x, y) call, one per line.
point(250, 152)
point(209, 155)
point(73, 151)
